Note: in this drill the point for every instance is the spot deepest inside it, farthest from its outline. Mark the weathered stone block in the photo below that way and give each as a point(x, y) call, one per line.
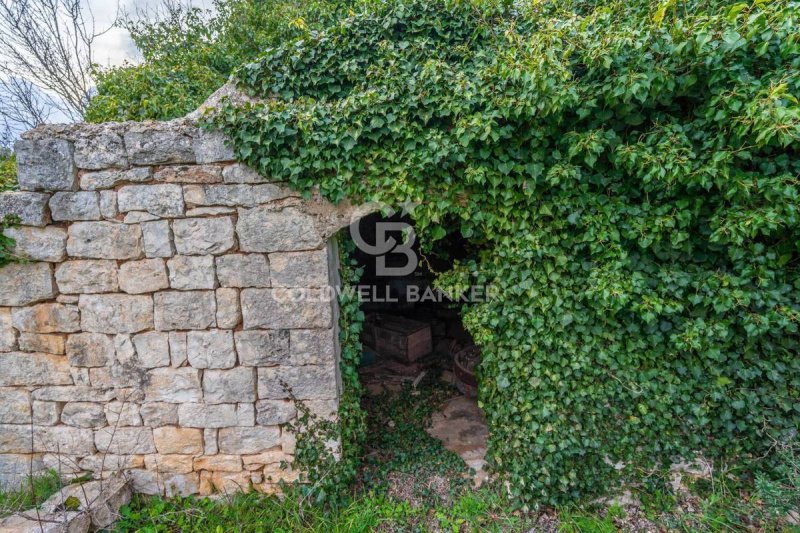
point(219, 463)
point(241, 173)
point(30, 207)
point(122, 414)
point(124, 441)
point(243, 270)
point(100, 151)
point(46, 413)
point(265, 230)
point(8, 337)
point(274, 412)
point(211, 349)
point(310, 382)
point(39, 244)
point(161, 200)
point(108, 204)
point(185, 310)
point(173, 463)
point(238, 195)
point(107, 179)
point(177, 348)
point(46, 318)
point(200, 236)
point(63, 440)
point(190, 174)
point(156, 414)
point(299, 269)
point(247, 440)
point(157, 239)
point(173, 385)
point(162, 146)
point(146, 275)
point(178, 440)
point(26, 283)
point(73, 394)
point(45, 165)
point(211, 147)
point(37, 342)
point(83, 415)
point(75, 206)
point(80, 376)
point(285, 308)
point(104, 240)
point(15, 470)
point(15, 407)
point(210, 441)
point(202, 415)
point(226, 386)
point(189, 272)
point(152, 349)
point(102, 462)
point(262, 348)
point(229, 313)
point(115, 313)
point(88, 276)
point(312, 346)
point(90, 349)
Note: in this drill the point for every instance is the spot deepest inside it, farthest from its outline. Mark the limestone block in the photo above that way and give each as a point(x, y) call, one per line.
point(156, 414)
point(210, 442)
point(230, 482)
point(108, 204)
point(45, 413)
point(299, 269)
point(161, 200)
point(115, 313)
point(145, 275)
point(63, 440)
point(45, 165)
point(124, 441)
point(46, 318)
point(200, 236)
point(178, 440)
point(80, 376)
point(90, 349)
point(173, 385)
point(83, 415)
point(210, 211)
point(248, 440)
point(229, 313)
point(157, 239)
point(38, 244)
point(104, 150)
point(241, 173)
point(174, 464)
point(177, 348)
point(8, 337)
point(75, 206)
point(101, 462)
point(243, 270)
point(191, 272)
point(107, 179)
point(190, 174)
point(15, 407)
point(201, 415)
point(26, 283)
point(262, 348)
point(180, 484)
point(236, 195)
point(310, 382)
point(211, 349)
point(152, 349)
point(15, 470)
point(104, 240)
point(312, 346)
point(271, 457)
point(73, 394)
point(30, 207)
point(122, 414)
point(211, 146)
point(15, 439)
point(165, 145)
point(266, 230)
point(286, 308)
point(145, 482)
point(219, 463)
point(185, 310)
point(87, 276)
point(225, 386)
point(39, 342)
point(274, 412)
point(117, 376)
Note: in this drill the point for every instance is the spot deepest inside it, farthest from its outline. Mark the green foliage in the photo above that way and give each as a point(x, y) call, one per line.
point(190, 54)
point(8, 172)
point(7, 244)
point(629, 172)
point(35, 491)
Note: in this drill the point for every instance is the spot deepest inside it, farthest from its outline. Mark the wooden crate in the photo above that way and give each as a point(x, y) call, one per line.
point(397, 337)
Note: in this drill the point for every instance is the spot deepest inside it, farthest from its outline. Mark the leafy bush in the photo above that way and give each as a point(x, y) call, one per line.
point(34, 492)
point(629, 171)
point(8, 172)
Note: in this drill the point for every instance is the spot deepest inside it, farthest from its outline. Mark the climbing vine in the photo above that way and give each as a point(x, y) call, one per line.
point(628, 172)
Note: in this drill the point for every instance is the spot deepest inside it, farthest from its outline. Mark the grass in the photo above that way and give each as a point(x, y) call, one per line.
point(35, 491)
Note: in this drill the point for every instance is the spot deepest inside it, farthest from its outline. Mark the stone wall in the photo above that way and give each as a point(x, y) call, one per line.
point(155, 322)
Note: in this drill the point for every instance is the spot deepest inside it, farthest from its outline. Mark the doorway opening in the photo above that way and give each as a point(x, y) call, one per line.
point(418, 360)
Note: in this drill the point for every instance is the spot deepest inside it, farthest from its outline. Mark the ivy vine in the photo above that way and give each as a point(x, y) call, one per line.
point(628, 171)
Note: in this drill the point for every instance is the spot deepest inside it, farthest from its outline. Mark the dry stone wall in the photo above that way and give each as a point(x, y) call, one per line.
point(167, 299)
